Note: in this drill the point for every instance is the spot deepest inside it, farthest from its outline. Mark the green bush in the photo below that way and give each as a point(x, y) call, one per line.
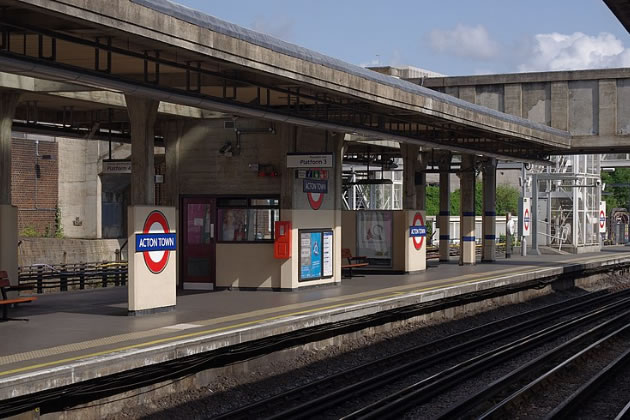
point(29, 232)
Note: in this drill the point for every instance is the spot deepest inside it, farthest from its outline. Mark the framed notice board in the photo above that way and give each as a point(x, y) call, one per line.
point(316, 254)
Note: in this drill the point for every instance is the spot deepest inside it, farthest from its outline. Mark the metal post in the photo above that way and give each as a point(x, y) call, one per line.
point(523, 194)
point(534, 216)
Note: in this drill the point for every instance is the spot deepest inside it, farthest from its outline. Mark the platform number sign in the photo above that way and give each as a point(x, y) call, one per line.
point(527, 216)
point(418, 231)
point(602, 217)
point(156, 242)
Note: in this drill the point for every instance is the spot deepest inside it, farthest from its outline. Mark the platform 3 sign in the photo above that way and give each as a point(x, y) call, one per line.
point(152, 262)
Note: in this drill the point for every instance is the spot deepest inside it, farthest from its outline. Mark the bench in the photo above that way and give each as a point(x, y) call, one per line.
point(5, 286)
point(360, 261)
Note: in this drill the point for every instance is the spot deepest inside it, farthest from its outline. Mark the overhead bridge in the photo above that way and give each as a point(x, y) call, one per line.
point(184, 58)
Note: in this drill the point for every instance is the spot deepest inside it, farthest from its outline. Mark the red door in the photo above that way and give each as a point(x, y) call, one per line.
point(199, 250)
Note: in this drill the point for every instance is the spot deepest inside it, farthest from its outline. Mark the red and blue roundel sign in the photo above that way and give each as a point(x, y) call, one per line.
point(417, 231)
point(526, 220)
point(156, 242)
point(602, 219)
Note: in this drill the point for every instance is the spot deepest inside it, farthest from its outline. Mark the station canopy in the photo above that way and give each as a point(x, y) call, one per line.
point(76, 60)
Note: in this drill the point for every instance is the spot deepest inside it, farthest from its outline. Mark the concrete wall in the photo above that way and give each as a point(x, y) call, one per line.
point(203, 170)
point(247, 265)
point(55, 251)
point(586, 103)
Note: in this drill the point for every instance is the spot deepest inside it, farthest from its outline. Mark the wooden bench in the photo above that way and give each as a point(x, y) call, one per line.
point(5, 286)
point(360, 261)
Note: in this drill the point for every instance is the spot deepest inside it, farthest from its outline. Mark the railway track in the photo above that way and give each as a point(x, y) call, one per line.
point(388, 387)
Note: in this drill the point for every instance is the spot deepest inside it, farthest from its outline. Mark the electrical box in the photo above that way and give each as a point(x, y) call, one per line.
point(282, 242)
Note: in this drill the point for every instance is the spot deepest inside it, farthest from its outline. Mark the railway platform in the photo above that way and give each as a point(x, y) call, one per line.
point(78, 336)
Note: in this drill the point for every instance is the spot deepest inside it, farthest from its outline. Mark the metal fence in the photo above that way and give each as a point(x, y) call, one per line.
point(73, 276)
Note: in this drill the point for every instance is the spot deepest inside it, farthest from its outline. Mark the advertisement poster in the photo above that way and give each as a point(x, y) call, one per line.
point(310, 255)
point(374, 236)
point(327, 250)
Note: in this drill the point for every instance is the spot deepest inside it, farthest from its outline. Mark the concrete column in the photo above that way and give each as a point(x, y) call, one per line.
point(513, 99)
point(142, 115)
point(560, 105)
point(489, 223)
point(468, 93)
point(467, 211)
point(410, 158)
point(172, 131)
point(607, 107)
point(444, 217)
point(8, 213)
point(421, 181)
point(8, 102)
point(339, 148)
point(289, 268)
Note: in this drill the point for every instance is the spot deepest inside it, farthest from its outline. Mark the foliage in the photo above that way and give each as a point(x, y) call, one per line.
point(58, 225)
point(29, 232)
point(507, 200)
point(617, 197)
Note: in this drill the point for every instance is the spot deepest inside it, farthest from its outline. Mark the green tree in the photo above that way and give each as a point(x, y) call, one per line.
point(507, 199)
point(617, 196)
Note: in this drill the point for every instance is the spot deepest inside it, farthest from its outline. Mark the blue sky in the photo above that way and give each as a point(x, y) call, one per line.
point(449, 37)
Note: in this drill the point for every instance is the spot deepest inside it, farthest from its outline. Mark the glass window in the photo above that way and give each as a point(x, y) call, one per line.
point(251, 223)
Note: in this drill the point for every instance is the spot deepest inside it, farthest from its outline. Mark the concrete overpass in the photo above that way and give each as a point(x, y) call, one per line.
point(592, 105)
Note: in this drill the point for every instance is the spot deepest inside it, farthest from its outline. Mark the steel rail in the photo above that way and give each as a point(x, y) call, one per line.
point(331, 398)
point(506, 383)
point(400, 401)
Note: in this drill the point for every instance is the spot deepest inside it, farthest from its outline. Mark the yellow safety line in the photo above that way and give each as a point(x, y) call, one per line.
point(248, 323)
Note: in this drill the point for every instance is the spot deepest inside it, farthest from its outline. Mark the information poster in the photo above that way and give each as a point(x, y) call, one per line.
point(310, 255)
point(374, 236)
point(316, 254)
point(327, 249)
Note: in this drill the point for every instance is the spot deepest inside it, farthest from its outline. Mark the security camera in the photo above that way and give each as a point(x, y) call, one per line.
point(598, 182)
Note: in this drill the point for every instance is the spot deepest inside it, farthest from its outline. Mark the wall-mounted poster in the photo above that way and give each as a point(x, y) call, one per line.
point(374, 237)
point(316, 254)
point(327, 249)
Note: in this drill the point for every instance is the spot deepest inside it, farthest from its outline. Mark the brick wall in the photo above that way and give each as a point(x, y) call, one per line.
point(34, 184)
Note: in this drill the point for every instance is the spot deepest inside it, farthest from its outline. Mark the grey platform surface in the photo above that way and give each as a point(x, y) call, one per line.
point(75, 336)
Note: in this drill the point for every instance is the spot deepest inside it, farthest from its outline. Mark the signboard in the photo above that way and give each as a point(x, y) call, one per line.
point(418, 231)
point(327, 249)
point(152, 258)
point(311, 173)
point(316, 186)
point(156, 242)
point(116, 167)
point(374, 236)
point(316, 254)
point(527, 217)
point(305, 160)
point(310, 255)
point(602, 217)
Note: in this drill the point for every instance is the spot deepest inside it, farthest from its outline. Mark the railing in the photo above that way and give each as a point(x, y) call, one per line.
point(73, 276)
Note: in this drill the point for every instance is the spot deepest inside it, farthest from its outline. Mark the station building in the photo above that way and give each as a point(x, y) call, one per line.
point(235, 131)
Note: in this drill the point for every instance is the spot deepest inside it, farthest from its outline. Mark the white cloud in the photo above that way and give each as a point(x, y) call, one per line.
point(278, 27)
point(464, 41)
point(574, 52)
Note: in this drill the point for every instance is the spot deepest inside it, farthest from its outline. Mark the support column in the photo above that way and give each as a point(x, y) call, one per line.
point(489, 223)
point(467, 211)
point(142, 116)
point(289, 268)
point(413, 205)
point(421, 181)
point(409, 154)
point(338, 140)
point(444, 217)
point(8, 213)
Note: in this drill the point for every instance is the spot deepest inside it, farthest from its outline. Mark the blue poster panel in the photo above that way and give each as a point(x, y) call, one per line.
point(310, 255)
